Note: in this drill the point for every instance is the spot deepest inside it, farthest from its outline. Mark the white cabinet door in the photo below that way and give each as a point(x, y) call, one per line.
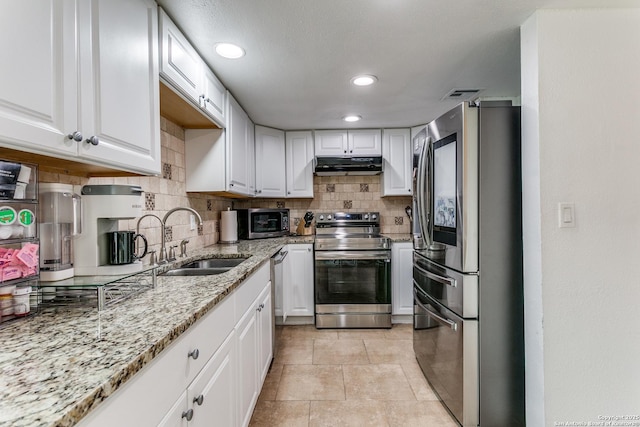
point(38, 94)
point(397, 157)
point(365, 142)
point(211, 395)
point(297, 289)
point(180, 64)
point(265, 329)
point(402, 277)
point(299, 164)
point(331, 143)
point(270, 162)
point(119, 83)
point(247, 351)
point(238, 149)
point(178, 414)
point(87, 67)
point(213, 99)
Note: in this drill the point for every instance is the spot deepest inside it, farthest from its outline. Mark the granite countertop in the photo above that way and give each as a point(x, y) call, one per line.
point(57, 366)
point(398, 237)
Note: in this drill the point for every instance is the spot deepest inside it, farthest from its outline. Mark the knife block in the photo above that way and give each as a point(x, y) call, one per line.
point(304, 231)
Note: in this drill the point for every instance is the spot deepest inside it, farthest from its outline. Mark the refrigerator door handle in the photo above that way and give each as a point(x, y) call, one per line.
point(446, 322)
point(441, 279)
point(423, 199)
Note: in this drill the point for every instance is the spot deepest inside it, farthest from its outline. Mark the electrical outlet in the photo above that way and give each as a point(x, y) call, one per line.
point(192, 222)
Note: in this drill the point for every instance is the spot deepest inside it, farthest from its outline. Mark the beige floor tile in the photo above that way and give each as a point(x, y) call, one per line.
point(418, 414)
point(339, 352)
point(350, 334)
point(280, 414)
point(307, 332)
point(295, 352)
point(418, 382)
point(400, 332)
point(376, 382)
point(271, 382)
point(390, 351)
point(311, 382)
point(350, 413)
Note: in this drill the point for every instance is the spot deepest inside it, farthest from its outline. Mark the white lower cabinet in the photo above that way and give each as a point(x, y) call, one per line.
point(211, 375)
point(402, 278)
point(297, 282)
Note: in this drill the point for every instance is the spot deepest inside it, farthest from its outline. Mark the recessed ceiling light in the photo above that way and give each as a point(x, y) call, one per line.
point(229, 50)
point(364, 80)
point(351, 118)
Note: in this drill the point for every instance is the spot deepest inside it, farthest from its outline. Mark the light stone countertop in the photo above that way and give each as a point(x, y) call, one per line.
point(60, 364)
point(398, 237)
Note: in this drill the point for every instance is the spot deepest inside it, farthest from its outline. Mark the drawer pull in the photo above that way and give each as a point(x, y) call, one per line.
point(198, 400)
point(194, 353)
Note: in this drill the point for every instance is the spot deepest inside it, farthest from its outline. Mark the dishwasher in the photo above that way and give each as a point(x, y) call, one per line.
point(276, 292)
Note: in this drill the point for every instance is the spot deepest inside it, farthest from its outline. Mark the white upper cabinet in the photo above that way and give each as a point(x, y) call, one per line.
point(270, 162)
point(299, 164)
point(359, 142)
point(397, 158)
point(185, 71)
point(88, 88)
point(222, 160)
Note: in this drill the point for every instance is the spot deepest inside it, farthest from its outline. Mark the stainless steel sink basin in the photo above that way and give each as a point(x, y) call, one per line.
point(206, 267)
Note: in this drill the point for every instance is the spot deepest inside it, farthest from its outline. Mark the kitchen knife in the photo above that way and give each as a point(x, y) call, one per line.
point(308, 217)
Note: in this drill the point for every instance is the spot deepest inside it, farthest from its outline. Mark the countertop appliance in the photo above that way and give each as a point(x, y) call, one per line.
point(103, 208)
point(259, 223)
point(276, 291)
point(468, 295)
point(352, 271)
point(60, 213)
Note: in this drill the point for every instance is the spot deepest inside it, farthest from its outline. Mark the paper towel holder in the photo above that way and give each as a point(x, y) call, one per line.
point(229, 221)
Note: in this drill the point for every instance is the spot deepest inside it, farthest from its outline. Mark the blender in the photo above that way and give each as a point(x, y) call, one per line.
point(60, 222)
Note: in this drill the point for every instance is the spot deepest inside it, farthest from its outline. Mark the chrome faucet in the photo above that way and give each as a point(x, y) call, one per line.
point(166, 216)
point(163, 255)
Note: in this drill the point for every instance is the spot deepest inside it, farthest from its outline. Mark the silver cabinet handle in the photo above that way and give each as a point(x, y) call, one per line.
point(198, 400)
point(194, 353)
point(93, 140)
point(188, 414)
point(76, 136)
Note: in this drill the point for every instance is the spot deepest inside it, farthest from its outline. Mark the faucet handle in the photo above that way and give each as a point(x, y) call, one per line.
point(172, 252)
point(183, 248)
point(163, 255)
point(152, 258)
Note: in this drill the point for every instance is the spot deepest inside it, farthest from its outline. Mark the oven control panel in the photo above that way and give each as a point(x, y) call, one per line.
point(348, 218)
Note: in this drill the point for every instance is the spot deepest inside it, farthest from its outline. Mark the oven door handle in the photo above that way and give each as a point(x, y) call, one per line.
point(354, 255)
point(441, 279)
point(453, 325)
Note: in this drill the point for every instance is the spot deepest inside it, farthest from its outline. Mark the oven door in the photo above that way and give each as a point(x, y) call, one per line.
point(353, 277)
point(446, 347)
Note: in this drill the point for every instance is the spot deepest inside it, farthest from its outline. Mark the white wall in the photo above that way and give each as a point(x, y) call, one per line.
point(581, 144)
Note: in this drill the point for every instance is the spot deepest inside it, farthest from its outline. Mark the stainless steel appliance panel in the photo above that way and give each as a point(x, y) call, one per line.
point(353, 320)
point(259, 223)
point(458, 292)
point(447, 351)
point(276, 288)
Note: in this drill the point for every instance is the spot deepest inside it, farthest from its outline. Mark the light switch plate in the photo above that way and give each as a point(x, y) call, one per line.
point(566, 215)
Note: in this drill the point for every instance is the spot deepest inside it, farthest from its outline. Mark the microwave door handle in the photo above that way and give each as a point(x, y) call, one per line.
point(441, 279)
point(446, 322)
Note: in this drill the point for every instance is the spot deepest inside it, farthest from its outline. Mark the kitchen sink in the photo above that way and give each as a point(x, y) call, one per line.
point(206, 267)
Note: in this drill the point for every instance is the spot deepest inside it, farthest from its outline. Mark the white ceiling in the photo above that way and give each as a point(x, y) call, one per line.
point(301, 54)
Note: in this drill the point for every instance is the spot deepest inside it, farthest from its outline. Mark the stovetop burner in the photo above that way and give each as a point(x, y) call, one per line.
point(349, 231)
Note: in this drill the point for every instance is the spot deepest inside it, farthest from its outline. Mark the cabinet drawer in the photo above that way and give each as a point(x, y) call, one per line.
point(247, 293)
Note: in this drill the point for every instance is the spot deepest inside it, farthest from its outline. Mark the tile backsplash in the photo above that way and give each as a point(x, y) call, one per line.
point(162, 193)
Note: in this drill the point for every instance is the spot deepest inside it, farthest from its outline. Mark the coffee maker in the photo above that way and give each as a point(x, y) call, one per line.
point(60, 213)
point(103, 208)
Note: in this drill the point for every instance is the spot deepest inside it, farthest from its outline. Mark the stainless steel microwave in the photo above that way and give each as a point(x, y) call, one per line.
point(260, 223)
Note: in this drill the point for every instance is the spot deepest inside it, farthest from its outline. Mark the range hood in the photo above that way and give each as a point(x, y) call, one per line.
point(326, 166)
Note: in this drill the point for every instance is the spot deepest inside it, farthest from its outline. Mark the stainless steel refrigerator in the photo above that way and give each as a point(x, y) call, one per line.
point(468, 296)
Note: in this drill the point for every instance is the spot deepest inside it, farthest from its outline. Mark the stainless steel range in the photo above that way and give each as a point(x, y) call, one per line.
point(352, 271)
